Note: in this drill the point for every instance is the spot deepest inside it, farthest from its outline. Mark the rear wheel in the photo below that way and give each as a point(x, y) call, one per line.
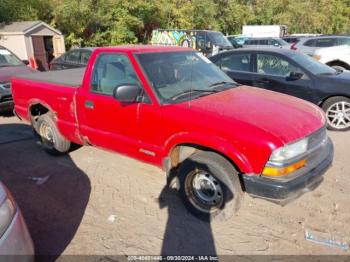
point(337, 110)
point(210, 186)
point(51, 139)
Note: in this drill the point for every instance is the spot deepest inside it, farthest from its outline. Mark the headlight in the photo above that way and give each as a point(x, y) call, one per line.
point(286, 160)
point(7, 212)
point(290, 151)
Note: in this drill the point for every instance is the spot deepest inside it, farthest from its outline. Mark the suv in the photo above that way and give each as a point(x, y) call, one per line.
point(266, 42)
point(310, 44)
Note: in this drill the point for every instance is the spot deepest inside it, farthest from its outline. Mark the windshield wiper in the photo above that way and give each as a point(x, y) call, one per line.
point(200, 91)
point(223, 83)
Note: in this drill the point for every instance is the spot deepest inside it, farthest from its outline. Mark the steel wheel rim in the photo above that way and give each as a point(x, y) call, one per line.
point(47, 134)
point(338, 115)
point(204, 191)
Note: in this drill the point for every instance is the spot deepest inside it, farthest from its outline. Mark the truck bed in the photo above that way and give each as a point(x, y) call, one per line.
point(68, 77)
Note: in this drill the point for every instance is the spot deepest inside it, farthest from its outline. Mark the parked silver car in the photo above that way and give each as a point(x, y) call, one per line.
point(308, 45)
point(266, 42)
point(15, 241)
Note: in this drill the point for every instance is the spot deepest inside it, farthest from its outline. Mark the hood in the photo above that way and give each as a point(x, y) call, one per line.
point(282, 116)
point(7, 72)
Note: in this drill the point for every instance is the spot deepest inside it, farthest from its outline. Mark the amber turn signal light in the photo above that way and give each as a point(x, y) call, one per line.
point(282, 171)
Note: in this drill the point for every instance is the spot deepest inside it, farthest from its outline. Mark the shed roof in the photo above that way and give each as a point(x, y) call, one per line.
point(23, 27)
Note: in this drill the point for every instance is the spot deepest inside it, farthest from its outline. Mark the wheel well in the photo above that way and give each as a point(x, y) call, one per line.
point(339, 63)
point(325, 99)
point(35, 111)
point(182, 151)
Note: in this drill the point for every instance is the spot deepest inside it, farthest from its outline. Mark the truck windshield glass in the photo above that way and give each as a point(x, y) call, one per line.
point(8, 59)
point(312, 65)
point(218, 39)
point(181, 76)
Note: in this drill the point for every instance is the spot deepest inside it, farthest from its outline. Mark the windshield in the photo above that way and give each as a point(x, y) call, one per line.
point(181, 76)
point(312, 65)
point(8, 59)
point(218, 39)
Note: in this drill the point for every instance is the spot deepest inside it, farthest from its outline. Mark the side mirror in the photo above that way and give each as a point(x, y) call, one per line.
point(26, 62)
point(127, 93)
point(294, 76)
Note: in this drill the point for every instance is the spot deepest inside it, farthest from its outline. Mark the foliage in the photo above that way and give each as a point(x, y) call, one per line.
point(113, 22)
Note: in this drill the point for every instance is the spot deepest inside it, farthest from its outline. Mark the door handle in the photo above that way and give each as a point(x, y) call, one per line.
point(89, 104)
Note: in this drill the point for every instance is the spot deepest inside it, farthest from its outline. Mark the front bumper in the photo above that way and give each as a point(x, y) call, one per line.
point(281, 191)
point(16, 244)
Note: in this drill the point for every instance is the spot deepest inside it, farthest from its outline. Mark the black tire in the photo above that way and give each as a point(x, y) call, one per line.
point(222, 174)
point(57, 145)
point(328, 105)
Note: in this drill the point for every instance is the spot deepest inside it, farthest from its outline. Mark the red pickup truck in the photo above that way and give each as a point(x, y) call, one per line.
point(173, 108)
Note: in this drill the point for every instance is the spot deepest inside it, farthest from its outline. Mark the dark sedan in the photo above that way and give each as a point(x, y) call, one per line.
point(295, 74)
point(10, 65)
point(72, 59)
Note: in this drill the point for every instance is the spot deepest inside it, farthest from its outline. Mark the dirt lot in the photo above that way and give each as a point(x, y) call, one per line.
point(97, 202)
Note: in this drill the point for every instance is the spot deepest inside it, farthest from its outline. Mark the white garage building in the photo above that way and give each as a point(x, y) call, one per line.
point(32, 39)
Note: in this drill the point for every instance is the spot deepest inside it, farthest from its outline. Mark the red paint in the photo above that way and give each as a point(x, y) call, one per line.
point(243, 123)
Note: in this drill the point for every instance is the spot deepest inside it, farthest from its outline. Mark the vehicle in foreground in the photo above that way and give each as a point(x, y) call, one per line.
point(309, 45)
point(15, 241)
point(337, 57)
point(10, 65)
point(206, 41)
point(74, 58)
point(173, 108)
point(292, 73)
point(266, 42)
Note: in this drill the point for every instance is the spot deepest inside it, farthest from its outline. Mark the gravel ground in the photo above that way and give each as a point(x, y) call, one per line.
point(102, 203)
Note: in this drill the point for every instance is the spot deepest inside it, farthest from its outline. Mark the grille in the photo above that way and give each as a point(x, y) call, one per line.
point(6, 85)
point(318, 138)
point(6, 98)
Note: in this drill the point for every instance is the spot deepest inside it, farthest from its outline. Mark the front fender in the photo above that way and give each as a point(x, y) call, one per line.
point(217, 144)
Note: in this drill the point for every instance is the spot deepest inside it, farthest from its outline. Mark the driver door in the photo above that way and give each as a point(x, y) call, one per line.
point(105, 121)
point(273, 71)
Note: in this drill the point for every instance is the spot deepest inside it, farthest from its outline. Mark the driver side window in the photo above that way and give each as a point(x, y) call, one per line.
point(110, 71)
point(274, 66)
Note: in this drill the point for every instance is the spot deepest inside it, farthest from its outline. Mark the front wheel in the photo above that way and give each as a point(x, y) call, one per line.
point(51, 139)
point(337, 111)
point(209, 186)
